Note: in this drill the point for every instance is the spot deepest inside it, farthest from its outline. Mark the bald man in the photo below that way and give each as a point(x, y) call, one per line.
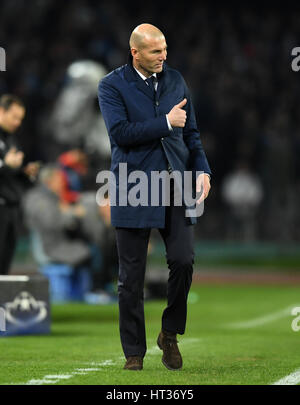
point(151, 124)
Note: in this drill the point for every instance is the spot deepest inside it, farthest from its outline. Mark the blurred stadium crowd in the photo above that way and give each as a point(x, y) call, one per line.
point(237, 62)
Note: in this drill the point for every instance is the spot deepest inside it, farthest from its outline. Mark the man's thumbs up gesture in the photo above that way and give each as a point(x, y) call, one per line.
point(177, 116)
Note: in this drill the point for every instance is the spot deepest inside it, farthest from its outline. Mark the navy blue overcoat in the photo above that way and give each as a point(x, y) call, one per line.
point(139, 135)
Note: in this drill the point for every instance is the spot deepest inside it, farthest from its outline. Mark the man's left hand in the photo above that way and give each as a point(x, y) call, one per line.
point(202, 184)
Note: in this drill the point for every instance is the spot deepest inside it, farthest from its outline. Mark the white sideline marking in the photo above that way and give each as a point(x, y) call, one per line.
point(40, 382)
point(59, 376)
point(291, 379)
point(102, 363)
point(79, 373)
point(87, 369)
point(54, 378)
point(262, 320)
point(49, 379)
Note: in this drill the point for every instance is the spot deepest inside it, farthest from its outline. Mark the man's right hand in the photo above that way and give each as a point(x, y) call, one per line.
point(14, 158)
point(177, 116)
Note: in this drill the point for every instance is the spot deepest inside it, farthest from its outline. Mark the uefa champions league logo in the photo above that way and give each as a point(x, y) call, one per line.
point(24, 310)
point(2, 60)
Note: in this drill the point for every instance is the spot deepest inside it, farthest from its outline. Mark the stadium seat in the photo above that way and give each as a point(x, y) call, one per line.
point(66, 282)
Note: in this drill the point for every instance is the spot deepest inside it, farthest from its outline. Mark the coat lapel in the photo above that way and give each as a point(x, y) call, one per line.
point(141, 85)
point(132, 76)
point(161, 83)
point(164, 84)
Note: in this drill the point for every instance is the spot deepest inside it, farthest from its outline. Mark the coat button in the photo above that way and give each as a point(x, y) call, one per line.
point(157, 103)
point(162, 139)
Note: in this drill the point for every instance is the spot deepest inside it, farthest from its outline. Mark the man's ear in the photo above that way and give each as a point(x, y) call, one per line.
point(134, 52)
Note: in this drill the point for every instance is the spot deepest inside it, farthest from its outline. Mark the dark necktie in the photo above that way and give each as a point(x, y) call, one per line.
point(150, 82)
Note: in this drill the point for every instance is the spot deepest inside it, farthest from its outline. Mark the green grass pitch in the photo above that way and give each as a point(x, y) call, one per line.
point(84, 346)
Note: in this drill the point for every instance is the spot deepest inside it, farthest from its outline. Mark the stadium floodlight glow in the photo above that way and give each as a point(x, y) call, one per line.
point(2, 60)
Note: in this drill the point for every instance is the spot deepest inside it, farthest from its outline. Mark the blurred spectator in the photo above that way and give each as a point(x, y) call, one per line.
point(242, 191)
point(75, 121)
point(52, 219)
point(68, 233)
point(75, 166)
point(14, 177)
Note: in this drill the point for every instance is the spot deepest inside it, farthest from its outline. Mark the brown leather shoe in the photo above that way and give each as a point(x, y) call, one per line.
point(134, 363)
point(171, 358)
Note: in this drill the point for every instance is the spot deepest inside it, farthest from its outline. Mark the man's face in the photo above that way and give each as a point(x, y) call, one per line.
point(56, 182)
point(149, 59)
point(12, 118)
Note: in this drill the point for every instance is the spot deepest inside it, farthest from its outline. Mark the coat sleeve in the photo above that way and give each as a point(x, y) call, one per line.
point(120, 129)
point(7, 171)
point(4, 169)
point(192, 139)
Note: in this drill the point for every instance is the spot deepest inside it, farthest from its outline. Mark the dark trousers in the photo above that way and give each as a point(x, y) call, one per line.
point(132, 244)
point(9, 217)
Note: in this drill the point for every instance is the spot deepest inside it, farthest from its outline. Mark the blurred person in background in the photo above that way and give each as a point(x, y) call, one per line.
point(95, 225)
point(75, 123)
point(151, 124)
point(74, 167)
point(242, 191)
point(68, 232)
point(14, 177)
point(53, 219)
